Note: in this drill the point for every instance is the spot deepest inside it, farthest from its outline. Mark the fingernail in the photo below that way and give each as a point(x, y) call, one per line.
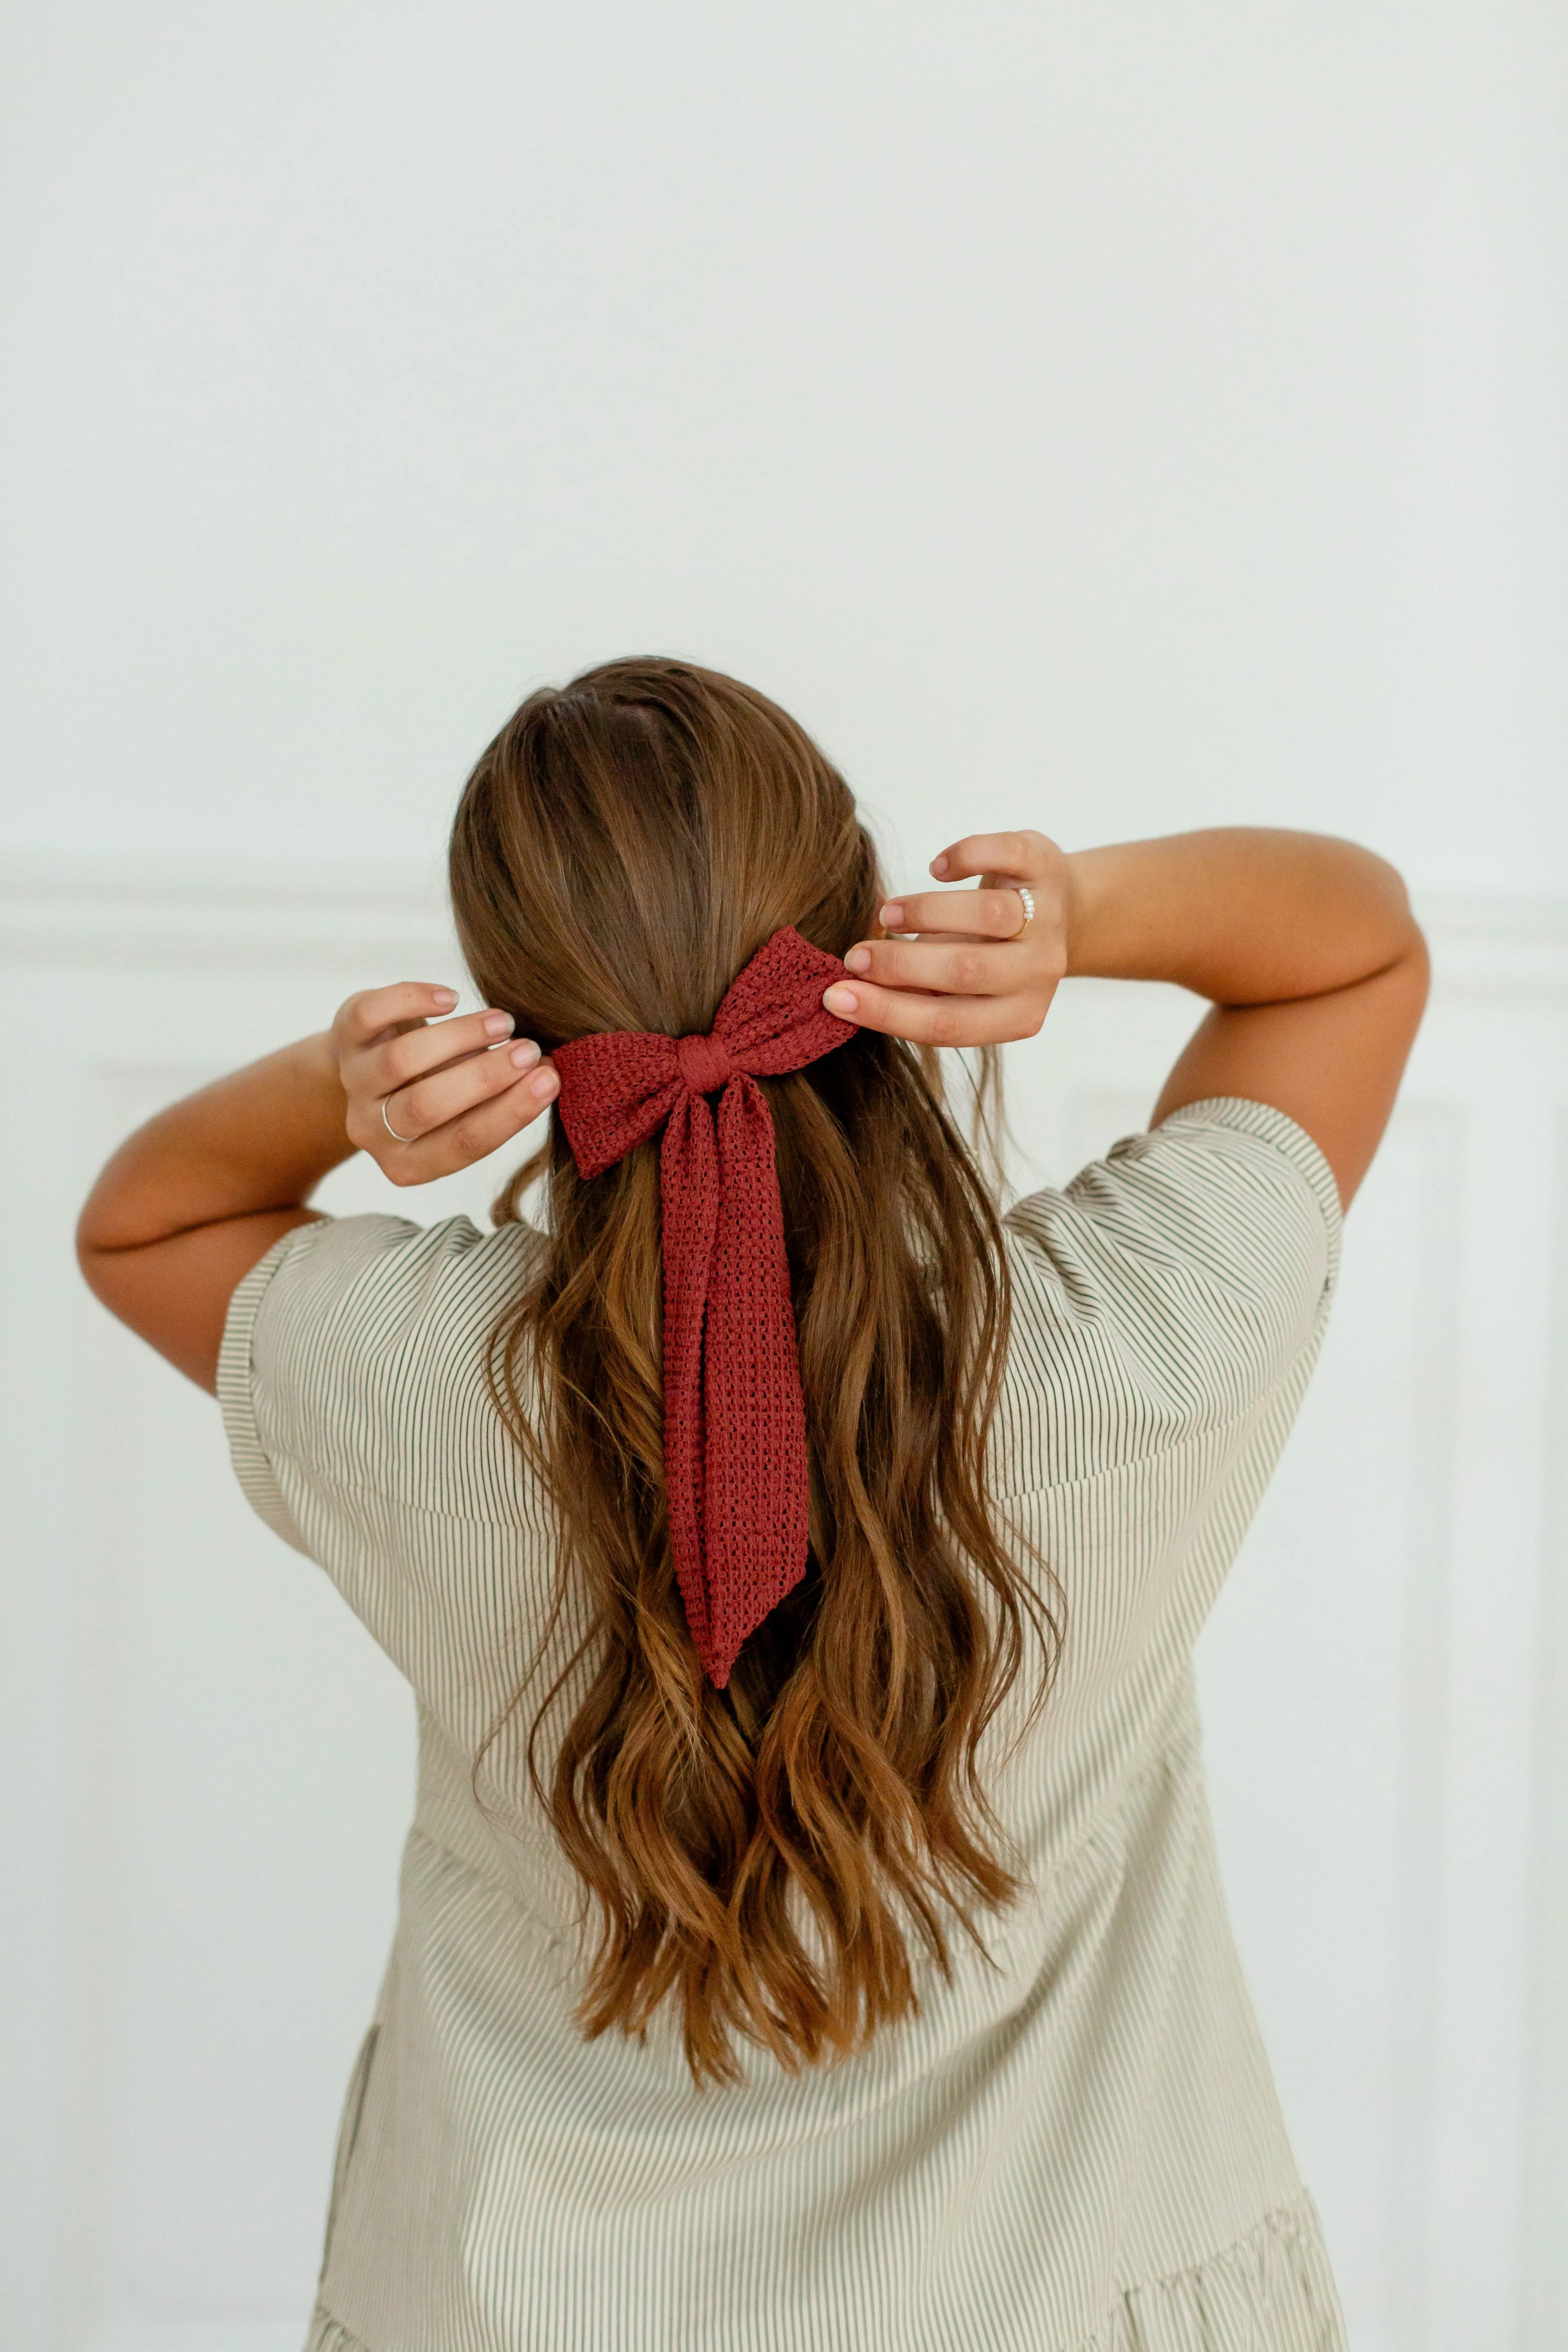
point(842, 1001)
point(939, 864)
point(498, 1025)
point(544, 1084)
point(525, 1053)
point(891, 918)
point(857, 960)
point(445, 997)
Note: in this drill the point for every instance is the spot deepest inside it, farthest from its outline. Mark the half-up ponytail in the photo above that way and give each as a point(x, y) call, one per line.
point(764, 1853)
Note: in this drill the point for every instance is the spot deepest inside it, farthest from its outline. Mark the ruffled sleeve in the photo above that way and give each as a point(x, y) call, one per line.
point(352, 1384)
point(1168, 1306)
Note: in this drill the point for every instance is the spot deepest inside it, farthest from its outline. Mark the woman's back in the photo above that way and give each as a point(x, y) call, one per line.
point(1075, 2140)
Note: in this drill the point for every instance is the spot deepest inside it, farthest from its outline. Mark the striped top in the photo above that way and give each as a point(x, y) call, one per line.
point(1076, 2149)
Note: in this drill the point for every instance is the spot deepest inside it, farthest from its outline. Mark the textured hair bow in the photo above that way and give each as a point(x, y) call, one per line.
point(734, 1424)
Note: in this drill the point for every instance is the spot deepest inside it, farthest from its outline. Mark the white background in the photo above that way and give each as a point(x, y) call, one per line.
point(1109, 417)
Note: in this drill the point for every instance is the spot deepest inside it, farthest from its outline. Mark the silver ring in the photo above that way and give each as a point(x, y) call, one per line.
point(390, 1128)
point(1028, 899)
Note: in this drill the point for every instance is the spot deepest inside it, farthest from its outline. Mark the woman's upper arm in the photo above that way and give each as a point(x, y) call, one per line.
point(1331, 1062)
point(176, 1293)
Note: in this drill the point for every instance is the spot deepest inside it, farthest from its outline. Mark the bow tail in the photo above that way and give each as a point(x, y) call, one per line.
point(755, 1501)
point(688, 1179)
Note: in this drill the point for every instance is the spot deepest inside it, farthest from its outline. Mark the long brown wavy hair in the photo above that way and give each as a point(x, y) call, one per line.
point(765, 1853)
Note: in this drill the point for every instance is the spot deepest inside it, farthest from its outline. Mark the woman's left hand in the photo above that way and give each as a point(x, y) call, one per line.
point(978, 970)
point(427, 1096)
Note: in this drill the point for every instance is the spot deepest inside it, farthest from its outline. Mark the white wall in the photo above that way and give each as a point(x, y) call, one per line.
point(1109, 417)
point(1125, 416)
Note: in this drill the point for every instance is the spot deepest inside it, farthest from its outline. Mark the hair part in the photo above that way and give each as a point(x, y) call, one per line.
point(768, 1855)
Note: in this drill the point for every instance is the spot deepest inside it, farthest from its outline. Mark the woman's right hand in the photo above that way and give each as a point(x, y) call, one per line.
point(453, 1091)
point(979, 971)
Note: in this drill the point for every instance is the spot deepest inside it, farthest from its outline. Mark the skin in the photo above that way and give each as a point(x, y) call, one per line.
point(1313, 967)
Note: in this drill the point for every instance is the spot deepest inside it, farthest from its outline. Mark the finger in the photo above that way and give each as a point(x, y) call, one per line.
point(480, 1131)
point(390, 1062)
point(364, 1016)
point(967, 971)
point(416, 1110)
point(986, 914)
point(1027, 855)
point(936, 1020)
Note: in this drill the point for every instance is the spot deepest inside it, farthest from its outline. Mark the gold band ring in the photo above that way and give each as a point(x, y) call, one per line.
point(1028, 899)
point(390, 1128)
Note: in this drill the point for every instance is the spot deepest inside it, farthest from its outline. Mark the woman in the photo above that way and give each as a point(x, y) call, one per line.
point(810, 1932)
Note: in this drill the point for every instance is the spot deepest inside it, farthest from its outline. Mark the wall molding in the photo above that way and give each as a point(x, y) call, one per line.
point(230, 916)
point(266, 914)
point(1544, 2292)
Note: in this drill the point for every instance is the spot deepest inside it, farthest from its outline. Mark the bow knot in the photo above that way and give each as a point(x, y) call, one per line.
point(735, 1468)
point(705, 1063)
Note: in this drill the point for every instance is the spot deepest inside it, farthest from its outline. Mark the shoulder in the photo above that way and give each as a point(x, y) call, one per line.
point(352, 1332)
point(1173, 1283)
point(382, 1279)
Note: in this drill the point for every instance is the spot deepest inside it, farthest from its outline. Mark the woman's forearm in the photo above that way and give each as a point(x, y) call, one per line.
point(1240, 915)
point(192, 1201)
point(261, 1138)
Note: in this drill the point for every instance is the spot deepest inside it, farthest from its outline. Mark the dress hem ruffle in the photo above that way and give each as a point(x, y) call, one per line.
point(1272, 2291)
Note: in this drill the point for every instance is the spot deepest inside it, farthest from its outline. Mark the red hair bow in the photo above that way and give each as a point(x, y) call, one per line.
point(734, 1424)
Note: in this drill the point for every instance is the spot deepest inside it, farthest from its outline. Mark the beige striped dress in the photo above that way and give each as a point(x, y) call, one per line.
point(1076, 2149)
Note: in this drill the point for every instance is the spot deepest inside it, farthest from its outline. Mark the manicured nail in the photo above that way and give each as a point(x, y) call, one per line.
point(842, 1001)
point(543, 1085)
point(445, 997)
point(525, 1053)
point(498, 1025)
point(891, 918)
point(857, 960)
point(939, 864)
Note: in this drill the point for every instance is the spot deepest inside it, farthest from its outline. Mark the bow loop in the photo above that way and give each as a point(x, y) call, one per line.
point(734, 1421)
